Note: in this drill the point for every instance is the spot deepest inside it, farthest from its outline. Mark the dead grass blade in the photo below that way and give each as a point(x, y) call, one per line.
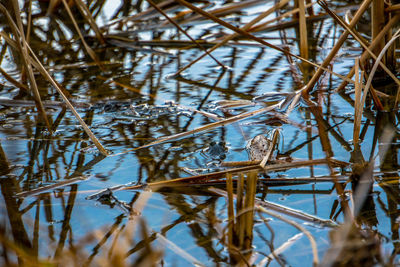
point(89, 50)
point(310, 85)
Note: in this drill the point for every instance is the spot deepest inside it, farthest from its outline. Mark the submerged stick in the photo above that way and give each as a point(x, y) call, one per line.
point(46, 188)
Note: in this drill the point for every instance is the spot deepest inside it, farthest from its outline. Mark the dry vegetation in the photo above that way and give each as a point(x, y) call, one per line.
point(35, 53)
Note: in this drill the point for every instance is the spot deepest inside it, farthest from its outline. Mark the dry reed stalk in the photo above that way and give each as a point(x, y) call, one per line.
point(204, 178)
point(375, 67)
point(283, 164)
point(303, 163)
point(38, 65)
point(377, 24)
point(205, 127)
point(232, 36)
point(269, 208)
point(360, 196)
point(310, 85)
point(231, 212)
point(184, 32)
point(322, 129)
point(191, 180)
point(358, 105)
point(29, 22)
point(239, 200)
point(365, 55)
point(392, 8)
point(261, 41)
point(303, 29)
point(21, 44)
point(251, 188)
point(140, 15)
point(52, 5)
point(89, 50)
point(363, 43)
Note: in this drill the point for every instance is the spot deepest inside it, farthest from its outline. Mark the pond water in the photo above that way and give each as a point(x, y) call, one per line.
point(135, 100)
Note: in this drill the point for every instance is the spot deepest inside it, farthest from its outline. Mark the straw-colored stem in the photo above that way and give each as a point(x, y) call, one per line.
point(22, 45)
point(365, 55)
point(231, 213)
point(303, 29)
point(251, 186)
point(377, 23)
point(364, 6)
point(358, 107)
point(361, 40)
point(205, 127)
